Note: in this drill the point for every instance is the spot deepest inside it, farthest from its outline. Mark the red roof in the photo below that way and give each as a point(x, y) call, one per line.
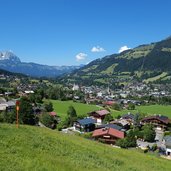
point(108, 131)
point(102, 112)
point(52, 113)
point(109, 103)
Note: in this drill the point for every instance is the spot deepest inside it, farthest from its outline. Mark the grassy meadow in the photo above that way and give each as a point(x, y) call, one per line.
point(149, 110)
point(61, 107)
point(42, 149)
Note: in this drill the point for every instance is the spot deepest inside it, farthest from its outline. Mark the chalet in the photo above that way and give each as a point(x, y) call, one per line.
point(108, 135)
point(167, 142)
point(122, 123)
point(159, 121)
point(85, 125)
point(99, 115)
point(129, 117)
point(8, 106)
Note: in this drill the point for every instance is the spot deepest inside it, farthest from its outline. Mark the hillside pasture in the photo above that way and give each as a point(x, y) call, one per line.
point(61, 107)
point(42, 149)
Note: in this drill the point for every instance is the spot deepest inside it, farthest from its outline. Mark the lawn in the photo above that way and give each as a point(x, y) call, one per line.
point(42, 149)
point(150, 110)
point(61, 107)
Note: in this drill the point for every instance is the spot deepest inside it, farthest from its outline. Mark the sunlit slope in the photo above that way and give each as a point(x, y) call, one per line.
point(33, 148)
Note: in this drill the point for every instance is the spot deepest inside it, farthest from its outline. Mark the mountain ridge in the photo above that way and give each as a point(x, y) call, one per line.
point(139, 63)
point(10, 62)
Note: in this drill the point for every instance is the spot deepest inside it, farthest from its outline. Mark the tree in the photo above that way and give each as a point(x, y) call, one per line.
point(72, 115)
point(108, 118)
point(116, 106)
point(148, 133)
point(71, 112)
point(9, 117)
point(48, 106)
point(131, 106)
point(129, 141)
point(48, 120)
point(26, 115)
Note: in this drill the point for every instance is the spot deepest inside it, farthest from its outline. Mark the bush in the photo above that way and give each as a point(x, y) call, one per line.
point(154, 147)
point(48, 120)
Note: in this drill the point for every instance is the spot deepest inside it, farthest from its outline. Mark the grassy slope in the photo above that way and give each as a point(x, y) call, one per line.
point(162, 75)
point(61, 107)
point(31, 148)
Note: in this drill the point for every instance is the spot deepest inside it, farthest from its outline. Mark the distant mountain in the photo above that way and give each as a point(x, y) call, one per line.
point(150, 62)
point(10, 62)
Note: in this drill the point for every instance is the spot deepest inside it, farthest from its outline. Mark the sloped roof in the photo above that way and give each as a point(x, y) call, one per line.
point(10, 103)
point(128, 116)
point(108, 131)
point(110, 125)
point(102, 112)
point(161, 118)
point(86, 121)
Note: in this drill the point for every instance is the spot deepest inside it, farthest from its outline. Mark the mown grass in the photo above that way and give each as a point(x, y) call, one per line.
point(149, 110)
point(61, 107)
point(41, 149)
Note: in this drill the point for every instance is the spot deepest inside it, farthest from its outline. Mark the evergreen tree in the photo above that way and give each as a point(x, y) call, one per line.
point(26, 115)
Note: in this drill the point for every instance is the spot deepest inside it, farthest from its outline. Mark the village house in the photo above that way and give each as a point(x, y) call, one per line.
point(85, 125)
point(129, 117)
point(8, 106)
point(108, 135)
point(122, 123)
point(99, 115)
point(158, 121)
point(167, 142)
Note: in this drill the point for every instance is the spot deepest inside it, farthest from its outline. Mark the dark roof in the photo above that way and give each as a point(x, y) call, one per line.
point(167, 140)
point(114, 126)
point(128, 116)
point(161, 118)
point(86, 121)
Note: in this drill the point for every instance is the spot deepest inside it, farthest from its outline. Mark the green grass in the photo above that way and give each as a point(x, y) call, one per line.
point(40, 149)
point(61, 107)
point(110, 69)
point(149, 110)
point(162, 75)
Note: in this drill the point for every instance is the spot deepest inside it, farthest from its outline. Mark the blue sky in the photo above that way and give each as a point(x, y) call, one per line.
point(73, 32)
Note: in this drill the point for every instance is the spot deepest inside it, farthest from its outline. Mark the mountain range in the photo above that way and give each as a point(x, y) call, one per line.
point(149, 63)
point(10, 62)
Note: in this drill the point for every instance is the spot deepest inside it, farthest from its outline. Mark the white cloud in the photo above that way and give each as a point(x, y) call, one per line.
point(123, 48)
point(81, 56)
point(97, 49)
